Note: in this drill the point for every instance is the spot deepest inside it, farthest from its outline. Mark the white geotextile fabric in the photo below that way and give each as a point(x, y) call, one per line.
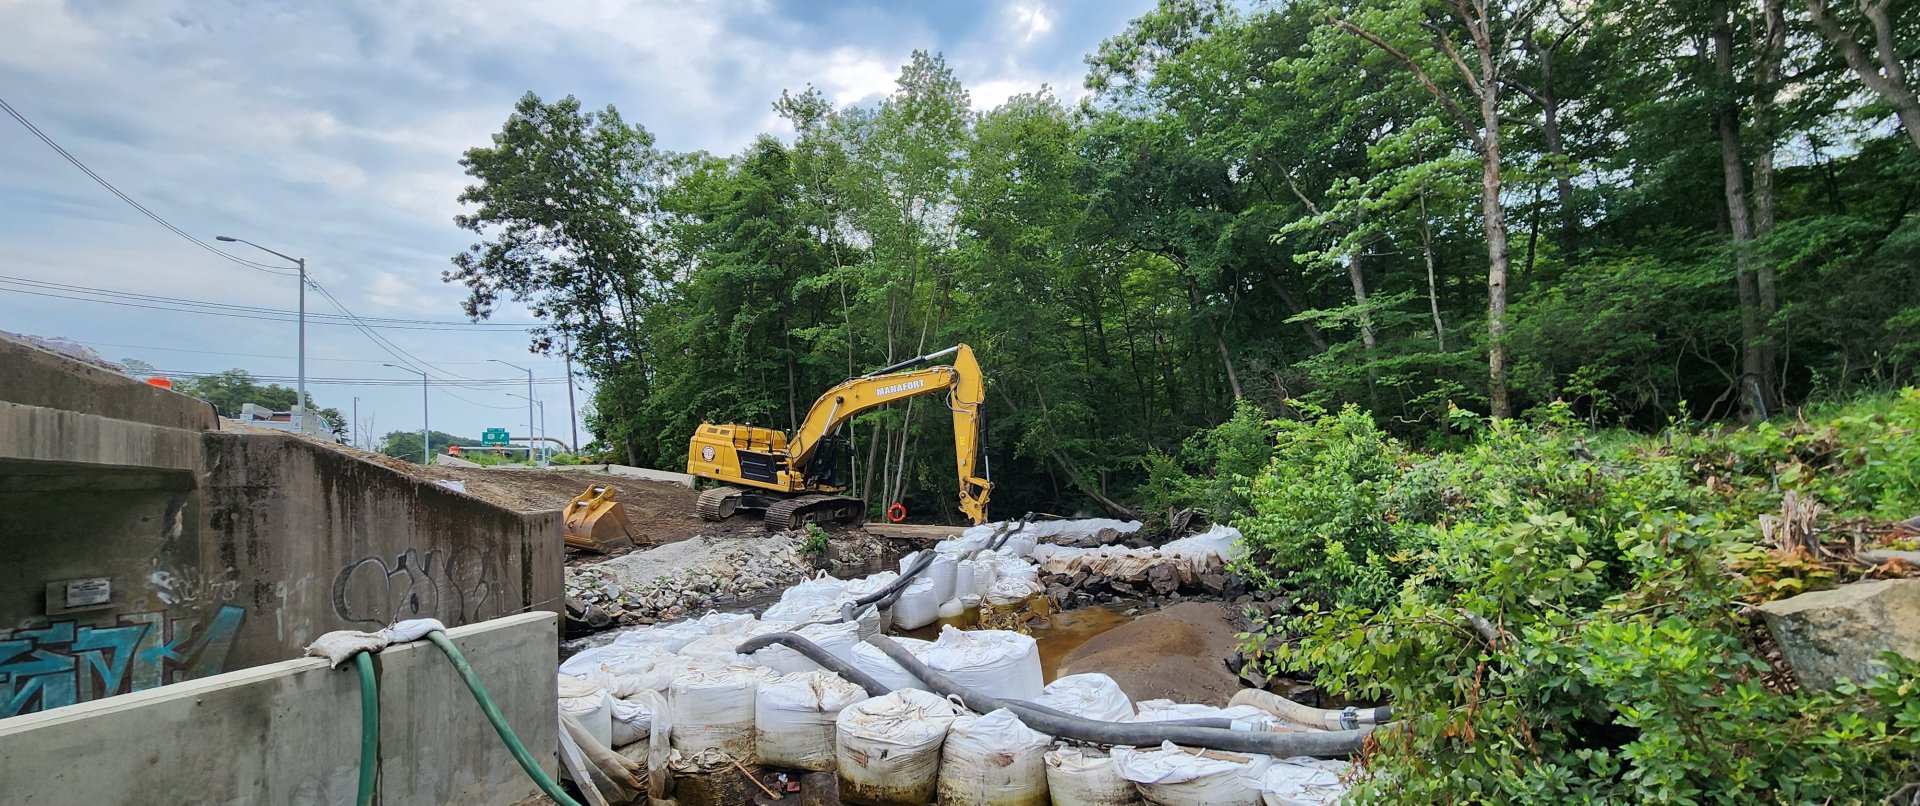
point(1087, 777)
point(794, 719)
point(837, 639)
point(1303, 781)
point(1208, 552)
point(993, 759)
point(1245, 717)
point(1174, 776)
point(869, 659)
point(589, 705)
point(1093, 696)
point(997, 663)
point(891, 744)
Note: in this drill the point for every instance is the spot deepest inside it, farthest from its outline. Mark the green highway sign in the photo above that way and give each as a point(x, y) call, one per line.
point(494, 436)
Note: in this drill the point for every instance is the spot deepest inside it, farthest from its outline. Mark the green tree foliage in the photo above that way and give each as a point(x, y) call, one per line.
point(406, 444)
point(1254, 209)
point(230, 390)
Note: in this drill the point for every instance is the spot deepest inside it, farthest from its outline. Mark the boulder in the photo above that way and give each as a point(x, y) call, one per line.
point(1839, 633)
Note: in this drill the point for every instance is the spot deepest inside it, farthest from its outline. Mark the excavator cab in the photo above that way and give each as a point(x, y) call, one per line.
point(597, 521)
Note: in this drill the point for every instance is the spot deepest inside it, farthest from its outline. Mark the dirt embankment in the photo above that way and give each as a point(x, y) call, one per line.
point(1178, 653)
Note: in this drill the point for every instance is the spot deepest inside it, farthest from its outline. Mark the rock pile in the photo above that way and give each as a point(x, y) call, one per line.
point(671, 581)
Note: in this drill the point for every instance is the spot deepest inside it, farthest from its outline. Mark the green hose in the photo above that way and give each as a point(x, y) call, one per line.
point(369, 728)
point(520, 754)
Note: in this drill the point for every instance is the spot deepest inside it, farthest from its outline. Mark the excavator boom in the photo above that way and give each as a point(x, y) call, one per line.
point(774, 466)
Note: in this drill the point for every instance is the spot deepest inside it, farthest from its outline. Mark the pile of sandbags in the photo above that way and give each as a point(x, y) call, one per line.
point(1188, 558)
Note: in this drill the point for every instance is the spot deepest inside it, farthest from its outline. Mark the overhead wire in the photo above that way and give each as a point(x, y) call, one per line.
point(69, 157)
point(95, 294)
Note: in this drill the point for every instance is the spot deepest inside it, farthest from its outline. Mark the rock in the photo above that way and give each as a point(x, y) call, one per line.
point(1840, 633)
point(1163, 578)
point(1215, 584)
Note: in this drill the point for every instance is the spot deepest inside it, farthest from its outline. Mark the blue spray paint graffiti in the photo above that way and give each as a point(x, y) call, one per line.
point(61, 664)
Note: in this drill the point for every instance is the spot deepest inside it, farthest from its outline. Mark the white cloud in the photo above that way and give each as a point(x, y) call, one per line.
point(1029, 20)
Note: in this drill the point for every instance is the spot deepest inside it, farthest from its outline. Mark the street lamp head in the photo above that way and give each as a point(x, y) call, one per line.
point(227, 238)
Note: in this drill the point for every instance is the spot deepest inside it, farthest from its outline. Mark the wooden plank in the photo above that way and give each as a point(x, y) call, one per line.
point(914, 531)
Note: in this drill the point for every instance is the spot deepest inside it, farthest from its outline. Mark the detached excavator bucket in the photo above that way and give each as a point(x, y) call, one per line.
point(596, 521)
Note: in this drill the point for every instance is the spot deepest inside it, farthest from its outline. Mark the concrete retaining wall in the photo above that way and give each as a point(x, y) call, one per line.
point(220, 550)
point(289, 732)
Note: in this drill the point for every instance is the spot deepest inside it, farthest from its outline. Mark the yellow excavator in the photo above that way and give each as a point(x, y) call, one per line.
point(795, 478)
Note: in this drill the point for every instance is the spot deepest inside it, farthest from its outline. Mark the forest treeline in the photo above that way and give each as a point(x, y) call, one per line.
point(1646, 210)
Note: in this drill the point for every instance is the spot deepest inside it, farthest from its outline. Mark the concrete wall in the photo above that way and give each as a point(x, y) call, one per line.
point(221, 549)
point(289, 732)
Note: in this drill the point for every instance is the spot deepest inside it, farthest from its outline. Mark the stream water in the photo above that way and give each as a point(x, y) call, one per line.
point(1056, 636)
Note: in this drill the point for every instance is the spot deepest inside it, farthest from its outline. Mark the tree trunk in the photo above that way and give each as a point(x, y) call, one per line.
point(1772, 48)
point(1755, 378)
point(1433, 287)
point(1494, 221)
point(1233, 378)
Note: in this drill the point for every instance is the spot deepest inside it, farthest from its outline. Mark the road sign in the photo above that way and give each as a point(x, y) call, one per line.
point(494, 436)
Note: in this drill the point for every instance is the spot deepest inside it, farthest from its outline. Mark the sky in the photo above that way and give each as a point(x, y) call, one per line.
point(332, 131)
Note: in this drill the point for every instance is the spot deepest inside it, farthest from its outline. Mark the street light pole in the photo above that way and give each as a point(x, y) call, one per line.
point(300, 389)
point(426, 440)
point(542, 461)
point(529, 403)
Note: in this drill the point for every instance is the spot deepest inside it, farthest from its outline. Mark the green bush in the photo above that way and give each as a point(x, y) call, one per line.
point(1212, 468)
point(1549, 611)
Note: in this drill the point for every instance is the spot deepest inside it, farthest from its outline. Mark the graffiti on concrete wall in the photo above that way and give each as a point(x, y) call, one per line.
point(455, 587)
point(63, 663)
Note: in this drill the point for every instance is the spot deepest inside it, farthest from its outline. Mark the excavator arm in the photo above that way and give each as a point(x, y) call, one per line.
point(966, 393)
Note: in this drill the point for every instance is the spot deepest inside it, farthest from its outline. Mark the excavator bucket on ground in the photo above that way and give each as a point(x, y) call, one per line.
point(596, 521)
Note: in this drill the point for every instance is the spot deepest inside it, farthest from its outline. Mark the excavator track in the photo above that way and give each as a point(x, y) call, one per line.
point(718, 503)
point(793, 513)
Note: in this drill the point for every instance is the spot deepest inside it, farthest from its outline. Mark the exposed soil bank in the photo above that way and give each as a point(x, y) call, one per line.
point(1178, 653)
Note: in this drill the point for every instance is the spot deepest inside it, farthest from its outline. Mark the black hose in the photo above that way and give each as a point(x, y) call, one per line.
point(1319, 744)
point(885, 596)
point(833, 663)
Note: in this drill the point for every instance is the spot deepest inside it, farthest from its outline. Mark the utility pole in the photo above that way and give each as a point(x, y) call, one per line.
point(300, 389)
point(542, 461)
point(356, 421)
point(573, 415)
point(426, 438)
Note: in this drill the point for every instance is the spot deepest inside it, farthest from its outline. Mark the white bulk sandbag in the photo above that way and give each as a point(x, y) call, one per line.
point(794, 719)
point(963, 578)
point(870, 584)
point(713, 708)
point(718, 623)
point(837, 639)
point(632, 719)
point(1086, 777)
point(941, 571)
point(1011, 590)
point(616, 656)
point(1093, 696)
point(718, 648)
point(809, 600)
point(1303, 781)
point(993, 760)
point(917, 606)
point(626, 683)
point(868, 658)
point(589, 705)
point(1245, 717)
point(997, 663)
point(667, 637)
point(951, 609)
point(887, 748)
point(1173, 776)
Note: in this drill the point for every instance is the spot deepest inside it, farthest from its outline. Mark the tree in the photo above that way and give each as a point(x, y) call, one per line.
point(230, 390)
point(567, 203)
point(406, 444)
point(1432, 39)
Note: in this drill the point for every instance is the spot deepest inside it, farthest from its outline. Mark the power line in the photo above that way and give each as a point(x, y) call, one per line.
point(281, 270)
point(111, 296)
point(475, 383)
point(98, 344)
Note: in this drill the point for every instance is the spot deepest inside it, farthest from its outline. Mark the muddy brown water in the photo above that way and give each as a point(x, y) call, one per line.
point(1056, 636)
